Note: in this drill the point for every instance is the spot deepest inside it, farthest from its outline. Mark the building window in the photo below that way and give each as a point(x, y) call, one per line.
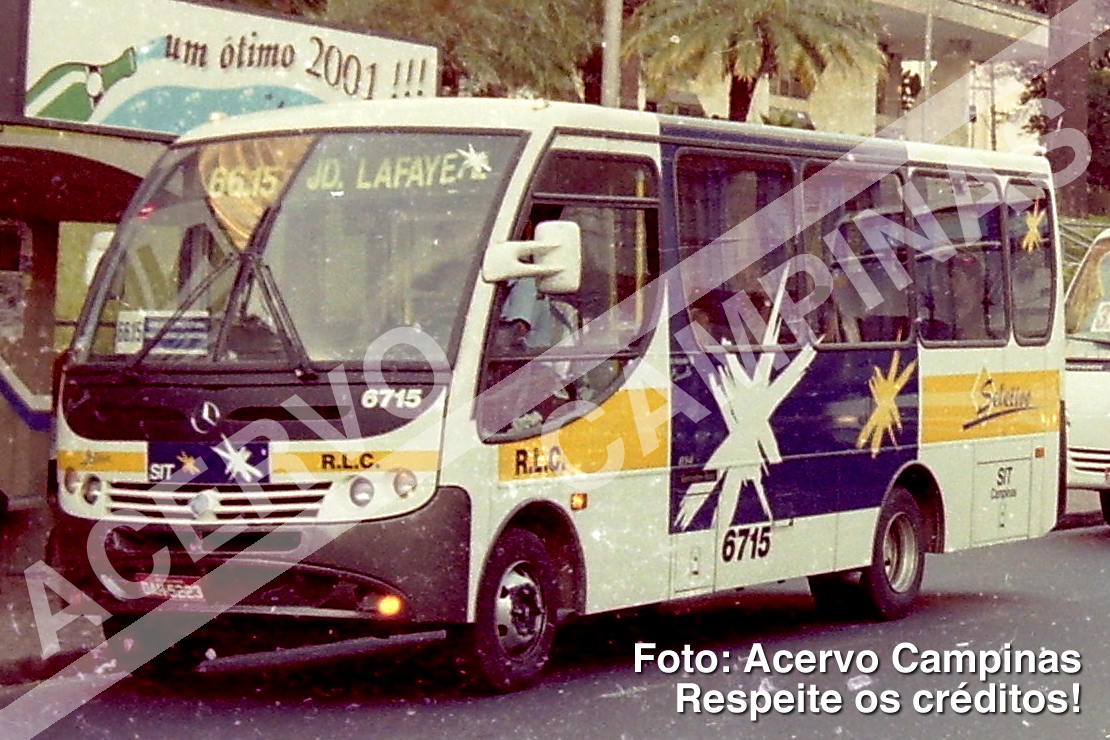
point(789, 86)
point(11, 246)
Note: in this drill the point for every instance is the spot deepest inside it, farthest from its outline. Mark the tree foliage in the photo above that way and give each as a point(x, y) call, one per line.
point(1098, 118)
point(743, 40)
point(490, 47)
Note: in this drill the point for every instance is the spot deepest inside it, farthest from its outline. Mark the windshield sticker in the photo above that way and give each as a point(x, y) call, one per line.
point(187, 336)
point(1032, 240)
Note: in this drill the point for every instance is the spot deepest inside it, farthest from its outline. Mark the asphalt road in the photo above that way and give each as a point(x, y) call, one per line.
point(1048, 596)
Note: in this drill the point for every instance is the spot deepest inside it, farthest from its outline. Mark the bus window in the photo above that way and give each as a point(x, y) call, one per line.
point(588, 336)
point(848, 209)
point(961, 297)
point(958, 297)
point(1029, 243)
point(728, 228)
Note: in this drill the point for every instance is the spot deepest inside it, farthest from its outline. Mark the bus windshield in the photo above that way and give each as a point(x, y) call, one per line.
point(300, 249)
point(1088, 304)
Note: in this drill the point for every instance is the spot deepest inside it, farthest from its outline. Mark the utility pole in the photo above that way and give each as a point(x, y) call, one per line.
point(611, 54)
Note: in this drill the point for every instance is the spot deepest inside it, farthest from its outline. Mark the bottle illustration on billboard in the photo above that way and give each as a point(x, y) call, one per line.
point(71, 91)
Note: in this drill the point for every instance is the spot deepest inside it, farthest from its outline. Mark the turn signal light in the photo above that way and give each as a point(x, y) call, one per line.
point(389, 605)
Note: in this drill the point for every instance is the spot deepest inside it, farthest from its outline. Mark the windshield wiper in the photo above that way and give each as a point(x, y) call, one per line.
point(200, 289)
point(290, 338)
point(257, 271)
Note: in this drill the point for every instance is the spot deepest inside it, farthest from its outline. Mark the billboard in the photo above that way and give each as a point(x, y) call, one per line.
point(166, 66)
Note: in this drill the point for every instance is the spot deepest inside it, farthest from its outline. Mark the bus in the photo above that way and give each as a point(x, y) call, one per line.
point(478, 367)
point(1087, 327)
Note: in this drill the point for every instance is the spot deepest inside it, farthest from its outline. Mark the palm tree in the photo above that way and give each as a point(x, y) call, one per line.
point(743, 40)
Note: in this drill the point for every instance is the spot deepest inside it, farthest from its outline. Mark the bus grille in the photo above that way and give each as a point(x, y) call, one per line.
point(1089, 459)
point(268, 502)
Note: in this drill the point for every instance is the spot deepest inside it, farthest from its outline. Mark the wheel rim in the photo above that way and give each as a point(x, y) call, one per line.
point(519, 611)
point(900, 553)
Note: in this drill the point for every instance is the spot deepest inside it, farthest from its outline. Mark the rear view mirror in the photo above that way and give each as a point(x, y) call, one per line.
point(553, 258)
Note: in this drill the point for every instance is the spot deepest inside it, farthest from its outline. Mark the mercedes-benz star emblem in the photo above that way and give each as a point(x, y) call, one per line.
point(199, 505)
point(205, 418)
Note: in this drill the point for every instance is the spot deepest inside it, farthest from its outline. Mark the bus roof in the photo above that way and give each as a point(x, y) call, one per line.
point(509, 114)
point(532, 115)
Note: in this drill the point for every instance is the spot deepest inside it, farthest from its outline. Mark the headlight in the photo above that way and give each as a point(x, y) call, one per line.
point(404, 482)
point(361, 491)
point(71, 480)
point(91, 489)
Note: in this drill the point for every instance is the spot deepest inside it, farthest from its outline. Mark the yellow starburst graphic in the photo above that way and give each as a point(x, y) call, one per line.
point(886, 419)
point(1032, 239)
point(188, 464)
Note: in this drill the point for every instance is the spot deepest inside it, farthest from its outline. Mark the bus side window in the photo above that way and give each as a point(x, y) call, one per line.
point(961, 296)
point(546, 353)
point(1032, 252)
point(957, 297)
point(734, 231)
point(850, 210)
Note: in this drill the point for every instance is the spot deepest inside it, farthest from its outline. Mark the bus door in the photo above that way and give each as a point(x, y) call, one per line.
point(985, 320)
point(572, 395)
point(1031, 401)
point(734, 361)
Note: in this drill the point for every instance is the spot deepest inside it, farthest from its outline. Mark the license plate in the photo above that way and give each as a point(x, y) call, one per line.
point(186, 589)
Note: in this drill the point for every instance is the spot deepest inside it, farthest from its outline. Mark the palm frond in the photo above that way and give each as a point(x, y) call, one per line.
point(678, 40)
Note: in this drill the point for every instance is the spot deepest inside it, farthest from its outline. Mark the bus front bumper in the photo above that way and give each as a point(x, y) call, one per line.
point(390, 577)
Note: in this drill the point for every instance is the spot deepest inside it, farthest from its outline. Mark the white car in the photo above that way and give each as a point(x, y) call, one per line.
point(1087, 377)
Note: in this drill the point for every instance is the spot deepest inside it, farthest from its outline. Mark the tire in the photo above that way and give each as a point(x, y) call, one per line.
point(178, 659)
point(892, 582)
point(836, 595)
point(1104, 503)
point(510, 641)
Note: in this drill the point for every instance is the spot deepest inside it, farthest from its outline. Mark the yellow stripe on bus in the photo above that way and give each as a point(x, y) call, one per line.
point(989, 404)
point(339, 461)
point(630, 431)
point(102, 461)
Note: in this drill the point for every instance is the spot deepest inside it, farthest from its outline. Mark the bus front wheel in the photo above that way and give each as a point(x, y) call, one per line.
point(892, 582)
point(177, 660)
point(511, 639)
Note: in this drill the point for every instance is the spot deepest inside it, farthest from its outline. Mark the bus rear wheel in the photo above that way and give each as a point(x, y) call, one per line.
point(510, 641)
point(892, 582)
